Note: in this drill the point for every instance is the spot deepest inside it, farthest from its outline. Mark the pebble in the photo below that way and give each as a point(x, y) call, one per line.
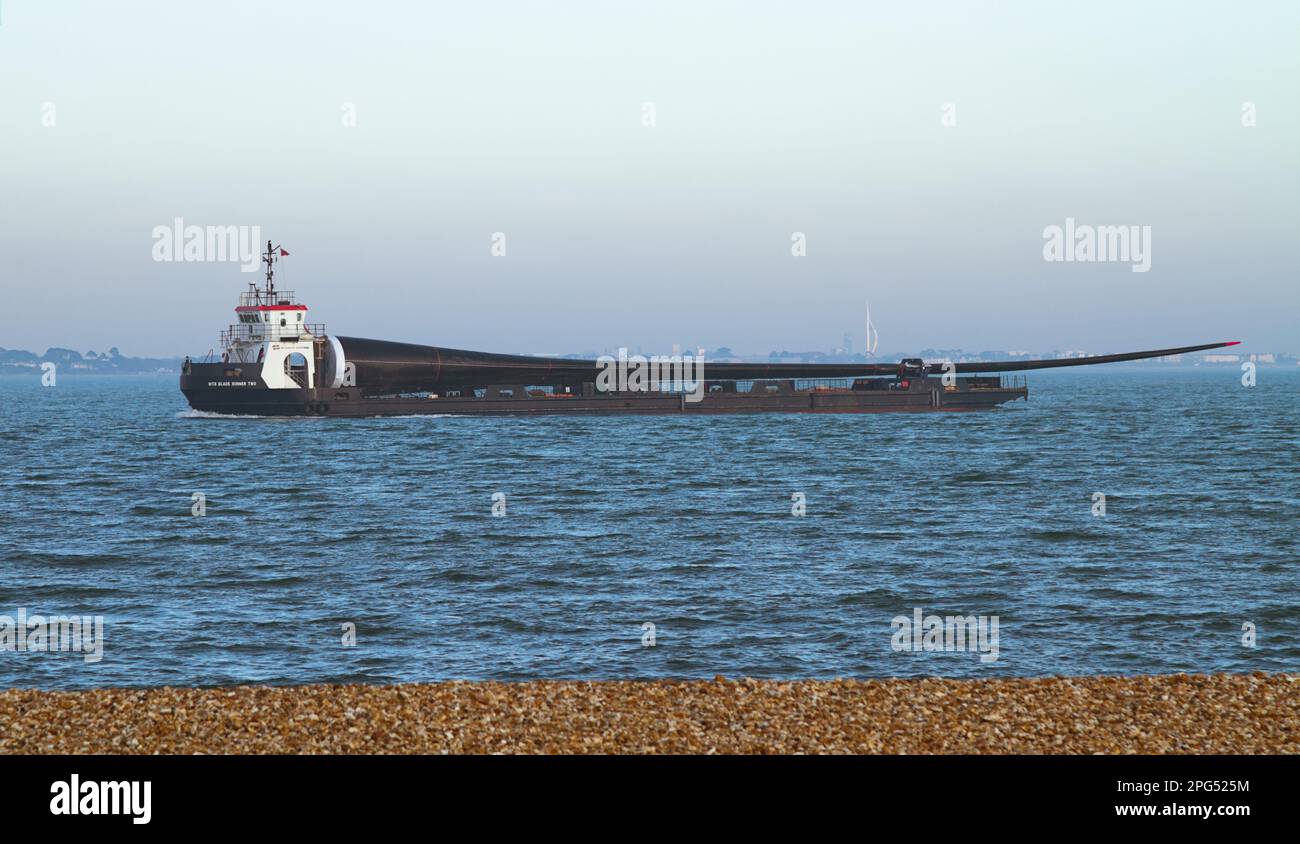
point(1179, 713)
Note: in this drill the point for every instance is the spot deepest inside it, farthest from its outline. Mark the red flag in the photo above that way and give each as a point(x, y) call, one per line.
point(283, 253)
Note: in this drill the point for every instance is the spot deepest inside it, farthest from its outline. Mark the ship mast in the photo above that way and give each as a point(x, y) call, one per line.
point(269, 258)
point(272, 254)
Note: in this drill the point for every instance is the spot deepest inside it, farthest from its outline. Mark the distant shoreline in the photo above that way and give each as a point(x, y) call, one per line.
point(16, 372)
point(72, 362)
point(1150, 714)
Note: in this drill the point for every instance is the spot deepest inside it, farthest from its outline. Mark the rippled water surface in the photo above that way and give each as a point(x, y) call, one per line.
point(681, 522)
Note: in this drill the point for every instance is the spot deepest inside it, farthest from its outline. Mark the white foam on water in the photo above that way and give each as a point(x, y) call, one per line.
point(208, 414)
point(416, 416)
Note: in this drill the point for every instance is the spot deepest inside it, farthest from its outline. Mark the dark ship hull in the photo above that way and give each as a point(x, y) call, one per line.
point(208, 389)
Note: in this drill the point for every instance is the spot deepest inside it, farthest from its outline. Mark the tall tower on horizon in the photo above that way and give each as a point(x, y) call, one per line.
point(873, 337)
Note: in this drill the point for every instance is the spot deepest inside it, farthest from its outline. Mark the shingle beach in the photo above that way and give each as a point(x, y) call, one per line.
point(1147, 714)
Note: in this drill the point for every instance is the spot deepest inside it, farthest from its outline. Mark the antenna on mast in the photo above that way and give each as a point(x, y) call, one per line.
point(273, 254)
point(873, 336)
point(269, 260)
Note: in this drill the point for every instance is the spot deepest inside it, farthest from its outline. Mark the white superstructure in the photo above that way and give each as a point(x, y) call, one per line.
point(272, 331)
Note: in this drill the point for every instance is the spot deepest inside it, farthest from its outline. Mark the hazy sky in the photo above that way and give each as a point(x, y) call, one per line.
point(770, 119)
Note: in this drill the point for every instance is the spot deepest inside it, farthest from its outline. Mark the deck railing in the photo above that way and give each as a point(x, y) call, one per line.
point(260, 332)
point(259, 298)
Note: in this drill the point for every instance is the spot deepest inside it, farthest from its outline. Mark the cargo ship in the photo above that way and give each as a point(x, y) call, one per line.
point(273, 362)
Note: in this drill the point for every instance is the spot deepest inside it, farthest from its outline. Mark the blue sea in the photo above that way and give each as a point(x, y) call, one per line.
point(384, 528)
